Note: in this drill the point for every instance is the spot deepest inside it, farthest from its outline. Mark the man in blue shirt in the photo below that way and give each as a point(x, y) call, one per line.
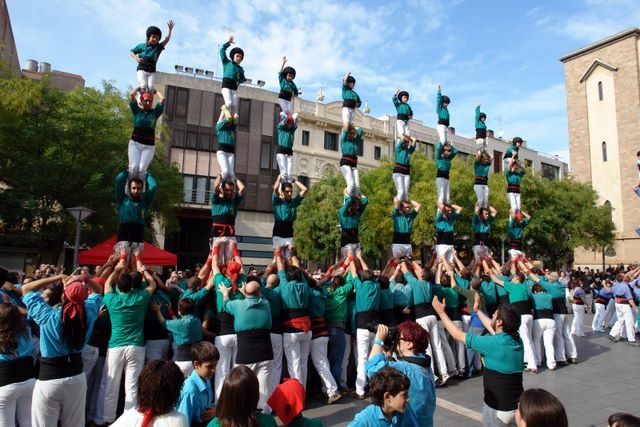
point(624, 303)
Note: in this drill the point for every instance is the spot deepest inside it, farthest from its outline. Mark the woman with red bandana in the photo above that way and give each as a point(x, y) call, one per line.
point(60, 391)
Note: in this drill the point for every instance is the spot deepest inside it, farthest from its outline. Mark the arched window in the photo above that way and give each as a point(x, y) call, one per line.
point(600, 91)
point(607, 204)
point(604, 151)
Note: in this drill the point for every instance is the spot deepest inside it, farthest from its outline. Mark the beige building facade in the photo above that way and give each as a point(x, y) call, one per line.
point(603, 109)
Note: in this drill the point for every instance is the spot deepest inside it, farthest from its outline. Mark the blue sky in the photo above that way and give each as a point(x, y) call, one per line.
point(502, 53)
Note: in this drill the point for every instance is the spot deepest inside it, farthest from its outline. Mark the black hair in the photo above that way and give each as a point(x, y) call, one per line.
point(510, 320)
point(483, 116)
point(234, 51)
point(366, 275)
point(289, 70)
point(401, 94)
point(351, 79)
point(204, 351)
point(446, 99)
point(516, 140)
point(383, 281)
point(154, 31)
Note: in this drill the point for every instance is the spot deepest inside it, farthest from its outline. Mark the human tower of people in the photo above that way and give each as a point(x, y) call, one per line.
point(229, 330)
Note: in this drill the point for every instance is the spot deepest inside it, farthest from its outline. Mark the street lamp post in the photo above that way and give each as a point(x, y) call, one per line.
point(503, 238)
point(79, 213)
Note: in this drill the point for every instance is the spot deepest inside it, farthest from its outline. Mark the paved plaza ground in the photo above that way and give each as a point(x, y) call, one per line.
point(606, 380)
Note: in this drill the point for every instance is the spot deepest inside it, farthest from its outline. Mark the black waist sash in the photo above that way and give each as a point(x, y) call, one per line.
point(443, 122)
point(131, 232)
point(145, 136)
point(227, 148)
point(229, 83)
point(225, 321)
point(16, 371)
point(454, 313)
point(424, 309)
point(481, 180)
point(444, 237)
point(442, 174)
point(559, 306)
point(52, 368)
point(513, 188)
point(284, 150)
point(183, 353)
point(254, 346)
point(543, 314)
point(502, 391)
point(515, 244)
point(285, 95)
point(481, 238)
point(481, 133)
point(522, 307)
point(403, 169)
point(349, 236)
point(388, 317)
point(403, 117)
point(223, 225)
point(402, 238)
point(148, 65)
point(349, 103)
point(283, 229)
point(349, 160)
point(368, 320)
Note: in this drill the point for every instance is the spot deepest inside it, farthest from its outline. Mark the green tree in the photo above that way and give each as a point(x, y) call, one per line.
point(59, 150)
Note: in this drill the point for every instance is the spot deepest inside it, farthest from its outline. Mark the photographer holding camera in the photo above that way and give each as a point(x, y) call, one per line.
point(410, 344)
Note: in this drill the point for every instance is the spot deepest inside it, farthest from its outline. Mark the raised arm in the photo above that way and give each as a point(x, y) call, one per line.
point(455, 332)
point(41, 283)
point(346, 76)
point(416, 206)
point(456, 208)
point(276, 187)
point(362, 261)
point(301, 187)
point(241, 187)
point(284, 61)
point(170, 24)
point(133, 93)
point(160, 96)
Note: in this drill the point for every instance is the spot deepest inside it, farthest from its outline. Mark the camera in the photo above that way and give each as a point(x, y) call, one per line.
point(391, 340)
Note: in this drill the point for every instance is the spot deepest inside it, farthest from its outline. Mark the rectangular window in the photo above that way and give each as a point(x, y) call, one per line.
point(600, 91)
point(330, 141)
point(182, 101)
point(192, 140)
point(178, 138)
point(204, 141)
point(361, 148)
point(201, 190)
point(549, 171)
point(304, 180)
point(265, 156)
point(305, 138)
point(497, 161)
point(377, 152)
point(243, 114)
point(188, 188)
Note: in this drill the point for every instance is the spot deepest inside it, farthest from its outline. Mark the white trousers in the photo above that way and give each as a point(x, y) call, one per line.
point(348, 116)
point(227, 162)
point(610, 316)
point(60, 399)
point(227, 346)
point(140, 156)
point(345, 360)
point(446, 250)
point(442, 190)
point(598, 320)
point(563, 341)
point(402, 128)
point(430, 324)
point(514, 201)
point(231, 100)
point(286, 106)
point(578, 320)
point(321, 363)
point(442, 132)
point(481, 251)
point(514, 254)
point(276, 373)
point(185, 366)
point(285, 165)
point(481, 143)
point(146, 80)
point(352, 178)
point(364, 342)
point(89, 359)
point(402, 183)
point(482, 195)
point(525, 330)
point(401, 249)
point(15, 403)
point(625, 320)
point(297, 346)
point(130, 359)
point(494, 418)
point(452, 368)
point(544, 330)
point(94, 378)
point(157, 349)
point(263, 372)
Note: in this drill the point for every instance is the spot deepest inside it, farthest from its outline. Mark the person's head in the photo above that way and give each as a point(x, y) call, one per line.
point(52, 295)
point(537, 288)
point(194, 283)
point(287, 400)
point(239, 397)
point(252, 289)
point(446, 209)
point(272, 280)
point(383, 281)
point(352, 132)
point(354, 207)
point(124, 282)
point(154, 34)
point(351, 82)
point(539, 408)
point(12, 325)
point(483, 117)
point(518, 278)
point(413, 339)
point(135, 188)
point(289, 73)
point(174, 277)
point(405, 207)
point(403, 96)
point(228, 190)
point(159, 386)
point(390, 390)
point(186, 306)
point(619, 277)
point(517, 142)
point(483, 213)
point(204, 357)
point(287, 191)
point(552, 277)
point(236, 55)
point(445, 101)
point(445, 281)
point(622, 419)
point(146, 100)
point(294, 274)
point(366, 275)
point(136, 279)
point(180, 274)
point(446, 150)
point(73, 317)
point(518, 217)
point(506, 319)
point(485, 158)
point(336, 282)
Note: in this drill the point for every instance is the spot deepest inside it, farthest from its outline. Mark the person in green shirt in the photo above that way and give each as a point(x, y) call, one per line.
point(442, 104)
point(146, 55)
point(402, 169)
point(284, 151)
point(502, 353)
point(350, 101)
point(404, 212)
point(481, 225)
point(349, 215)
point(288, 89)
point(127, 305)
point(481, 167)
point(444, 224)
point(404, 113)
point(512, 152)
point(515, 230)
point(226, 136)
point(232, 75)
point(544, 326)
point(454, 353)
point(285, 212)
point(445, 152)
point(225, 200)
point(514, 174)
point(350, 141)
point(481, 129)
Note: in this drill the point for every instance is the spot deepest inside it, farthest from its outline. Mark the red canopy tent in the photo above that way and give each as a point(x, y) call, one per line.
point(151, 255)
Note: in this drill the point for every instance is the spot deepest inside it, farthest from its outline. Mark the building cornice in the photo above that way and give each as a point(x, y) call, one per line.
point(597, 63)
point(631, 32)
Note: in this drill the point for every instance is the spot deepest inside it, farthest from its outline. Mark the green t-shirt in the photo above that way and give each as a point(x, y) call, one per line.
point(336, 302)
point(517, 291)
point(186, 330)
point(264, 420)
point(501, 352)
point(251, 313)
point(127, 312)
